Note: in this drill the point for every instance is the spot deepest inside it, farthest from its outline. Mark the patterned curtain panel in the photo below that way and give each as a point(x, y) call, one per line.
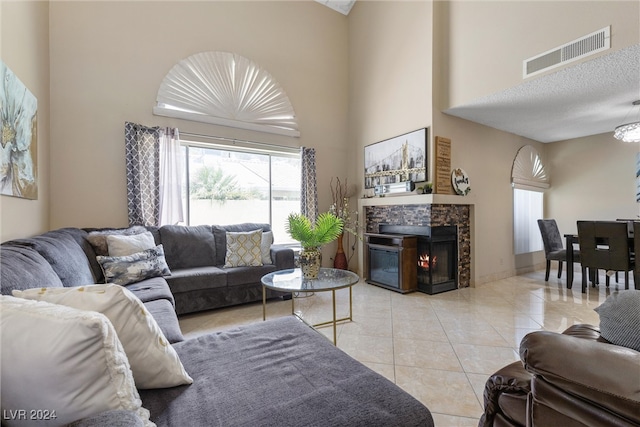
point(309, 188)
point(143, 174)
point(171, 166)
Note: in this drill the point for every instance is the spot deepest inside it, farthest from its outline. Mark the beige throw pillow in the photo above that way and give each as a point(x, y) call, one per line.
point(66, 363)
point(243, 249)
point(154, 362)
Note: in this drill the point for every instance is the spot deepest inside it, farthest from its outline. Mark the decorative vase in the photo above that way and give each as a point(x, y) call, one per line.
point(340, 260)
point(310, 260)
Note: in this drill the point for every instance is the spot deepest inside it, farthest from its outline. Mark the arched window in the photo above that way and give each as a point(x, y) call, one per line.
point(226, 89)
point(529, 180)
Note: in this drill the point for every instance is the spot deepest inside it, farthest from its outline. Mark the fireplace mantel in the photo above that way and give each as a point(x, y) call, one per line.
point(417, 199)
point(420, 210)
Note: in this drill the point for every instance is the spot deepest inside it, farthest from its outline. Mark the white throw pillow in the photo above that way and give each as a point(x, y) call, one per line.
point(123, 245)
point(61, 363)
point(243, 249)
point(154, 362)
point(98, 238)
point(265, 247)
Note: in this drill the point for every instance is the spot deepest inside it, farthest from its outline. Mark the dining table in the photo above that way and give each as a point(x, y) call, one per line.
point(572, 239)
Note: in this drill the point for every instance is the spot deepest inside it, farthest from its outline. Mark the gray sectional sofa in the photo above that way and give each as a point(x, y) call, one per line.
point(276, 373)
point(196, 256)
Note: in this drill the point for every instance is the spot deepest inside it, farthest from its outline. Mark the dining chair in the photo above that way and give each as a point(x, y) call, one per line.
point(553, 249)
point(604, 245)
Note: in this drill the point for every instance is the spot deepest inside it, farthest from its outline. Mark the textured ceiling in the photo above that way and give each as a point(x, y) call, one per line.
point(590, 98)
point(342, 6)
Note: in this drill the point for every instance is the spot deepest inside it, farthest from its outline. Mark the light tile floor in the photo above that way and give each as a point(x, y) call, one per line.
point(439, 348)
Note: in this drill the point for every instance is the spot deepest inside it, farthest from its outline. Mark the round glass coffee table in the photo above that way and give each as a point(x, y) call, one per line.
point(329, 279)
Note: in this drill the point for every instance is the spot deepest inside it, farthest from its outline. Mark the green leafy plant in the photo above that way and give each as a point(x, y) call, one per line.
point(326, 229)
point(428, 188)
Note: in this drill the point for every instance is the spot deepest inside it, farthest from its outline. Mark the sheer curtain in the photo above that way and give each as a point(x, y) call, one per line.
point(154, 175)
point(309, 187)
point(171, 173)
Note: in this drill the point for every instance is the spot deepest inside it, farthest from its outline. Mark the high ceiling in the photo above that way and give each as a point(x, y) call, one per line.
point(590, 98)
point(342, 6)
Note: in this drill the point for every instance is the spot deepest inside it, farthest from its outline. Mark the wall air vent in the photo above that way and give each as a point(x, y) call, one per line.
point(584, 46)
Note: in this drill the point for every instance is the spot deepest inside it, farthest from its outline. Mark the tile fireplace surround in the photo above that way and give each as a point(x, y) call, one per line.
point(425, 210)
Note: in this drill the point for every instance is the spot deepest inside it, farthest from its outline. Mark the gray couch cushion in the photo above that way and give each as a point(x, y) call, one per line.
point(24, 268)
point(220, 233)
point(244, 275)
point(279, 373)
point(151, 289)
point(62, 250)
point(113, 418)
point(186, 247)
point(186, 280)
point(165, 315)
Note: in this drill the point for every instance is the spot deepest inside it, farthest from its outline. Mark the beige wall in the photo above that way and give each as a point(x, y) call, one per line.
point(389, 74)
point(463, 41)
point(392, 54)
point(487, 156)
point(24, 48)
point(592, 178)
point(389, 78)
point(352, 81)
point(107, 62)
point(508, 32)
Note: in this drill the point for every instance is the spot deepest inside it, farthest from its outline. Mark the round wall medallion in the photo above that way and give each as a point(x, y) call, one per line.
point(460, 182)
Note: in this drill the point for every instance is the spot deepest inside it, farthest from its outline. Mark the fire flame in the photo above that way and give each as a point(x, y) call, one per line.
point(423, 261)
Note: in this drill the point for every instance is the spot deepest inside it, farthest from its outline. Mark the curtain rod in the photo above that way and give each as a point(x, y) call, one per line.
point(234, 140)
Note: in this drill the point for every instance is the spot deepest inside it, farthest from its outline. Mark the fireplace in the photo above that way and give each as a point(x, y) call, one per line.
point(436, 261)
point(390, 261)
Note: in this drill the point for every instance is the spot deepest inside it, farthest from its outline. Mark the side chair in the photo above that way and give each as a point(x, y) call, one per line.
point(604, 245)
point(553, 248)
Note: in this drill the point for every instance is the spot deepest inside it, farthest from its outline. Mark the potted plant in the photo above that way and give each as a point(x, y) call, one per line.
point(428, 188)
point(311, 237)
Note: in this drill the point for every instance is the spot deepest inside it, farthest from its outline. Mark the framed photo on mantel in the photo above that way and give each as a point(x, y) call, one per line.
point(443, 166)
point(399, 159)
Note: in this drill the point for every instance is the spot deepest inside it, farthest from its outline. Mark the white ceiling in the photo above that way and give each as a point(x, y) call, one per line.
point(590, 98)
point(342, 6)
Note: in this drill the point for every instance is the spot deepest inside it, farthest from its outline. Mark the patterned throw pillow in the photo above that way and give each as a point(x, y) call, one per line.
point(620, 319)
point(243, 249)
point(123, 270)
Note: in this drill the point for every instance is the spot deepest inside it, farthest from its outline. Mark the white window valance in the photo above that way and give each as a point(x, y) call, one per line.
point(226, 89)
point(528, 171)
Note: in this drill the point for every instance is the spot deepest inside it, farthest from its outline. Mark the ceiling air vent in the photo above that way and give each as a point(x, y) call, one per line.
point(584, 46)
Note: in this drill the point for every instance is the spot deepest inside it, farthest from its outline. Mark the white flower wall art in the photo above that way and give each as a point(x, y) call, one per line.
point(19, 139)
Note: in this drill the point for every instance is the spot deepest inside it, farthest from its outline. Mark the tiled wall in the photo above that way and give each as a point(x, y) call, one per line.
point(433, 215)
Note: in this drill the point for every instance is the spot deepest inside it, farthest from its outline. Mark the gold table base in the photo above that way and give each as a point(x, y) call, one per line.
point(333, 322)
